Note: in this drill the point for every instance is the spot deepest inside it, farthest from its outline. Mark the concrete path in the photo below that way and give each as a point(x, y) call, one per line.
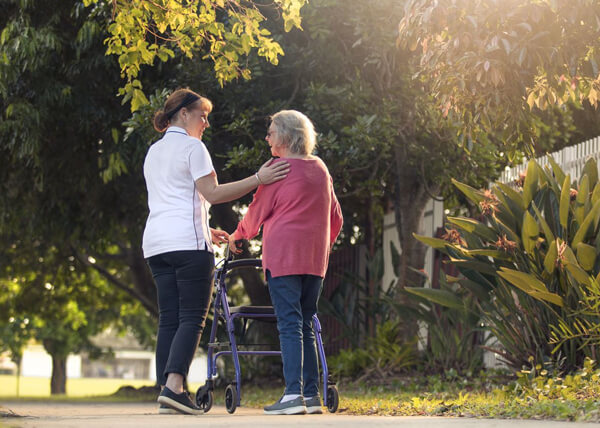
point(144, 415)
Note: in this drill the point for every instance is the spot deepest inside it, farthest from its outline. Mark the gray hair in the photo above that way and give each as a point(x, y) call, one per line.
point(296, 131)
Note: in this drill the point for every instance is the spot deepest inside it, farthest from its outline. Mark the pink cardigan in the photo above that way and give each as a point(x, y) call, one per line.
point(302, 219)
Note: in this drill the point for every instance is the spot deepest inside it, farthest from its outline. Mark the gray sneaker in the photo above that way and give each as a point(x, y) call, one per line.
point(313, 405)
point(292, 407)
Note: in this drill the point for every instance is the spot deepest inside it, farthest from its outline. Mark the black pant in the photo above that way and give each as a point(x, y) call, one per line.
point(184, 282)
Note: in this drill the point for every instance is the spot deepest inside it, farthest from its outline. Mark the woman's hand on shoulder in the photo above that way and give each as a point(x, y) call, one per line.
point(270, 171)
point(218, 236)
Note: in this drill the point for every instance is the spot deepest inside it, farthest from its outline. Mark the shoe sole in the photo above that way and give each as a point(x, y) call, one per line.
point(297, 410)
point(167, 411)
point(314, 410)
point(178, 406)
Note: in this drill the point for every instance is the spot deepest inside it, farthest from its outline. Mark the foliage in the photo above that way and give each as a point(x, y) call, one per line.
point(486, 395)
point(54, 171)
point(61, 305)
point(490, 62)
point(223, 31)
point(454, 334)
point(537, 383)
point(382, 356)
point(358, 303)
point(532, 261)
point(587, 326)
point(15, 332)
point(381, 135)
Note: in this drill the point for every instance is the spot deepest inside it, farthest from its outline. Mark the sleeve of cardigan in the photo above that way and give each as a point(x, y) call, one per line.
point(336, 218)
point(258, 211)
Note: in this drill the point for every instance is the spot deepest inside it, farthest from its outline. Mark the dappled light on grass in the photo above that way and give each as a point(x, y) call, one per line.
point(485, 396)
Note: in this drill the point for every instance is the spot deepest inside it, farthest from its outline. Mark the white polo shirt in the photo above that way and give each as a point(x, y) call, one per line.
point(178, 218)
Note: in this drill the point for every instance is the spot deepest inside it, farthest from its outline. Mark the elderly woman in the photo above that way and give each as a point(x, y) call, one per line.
point(302, 219)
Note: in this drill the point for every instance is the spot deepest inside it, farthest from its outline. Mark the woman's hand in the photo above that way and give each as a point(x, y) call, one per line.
point(218, 236)
point(270, 173)
point(233, 246)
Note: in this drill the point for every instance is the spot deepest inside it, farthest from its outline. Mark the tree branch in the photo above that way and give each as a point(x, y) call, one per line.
point(146, 303)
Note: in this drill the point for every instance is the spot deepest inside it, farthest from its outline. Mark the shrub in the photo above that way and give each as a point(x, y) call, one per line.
point(532, 263)
point(382, 356)
point(454, 334)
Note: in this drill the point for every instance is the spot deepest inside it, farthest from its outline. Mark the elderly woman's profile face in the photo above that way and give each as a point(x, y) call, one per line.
point(274, 140)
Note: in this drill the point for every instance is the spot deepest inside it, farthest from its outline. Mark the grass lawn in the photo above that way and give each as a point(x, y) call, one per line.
point(455, 398)
point(38, 387)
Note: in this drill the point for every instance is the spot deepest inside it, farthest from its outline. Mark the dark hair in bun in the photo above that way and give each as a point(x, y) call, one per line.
point(179, 99)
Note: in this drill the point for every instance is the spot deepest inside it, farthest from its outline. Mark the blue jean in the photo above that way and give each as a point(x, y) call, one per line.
point(184, 282)
point(295, 299)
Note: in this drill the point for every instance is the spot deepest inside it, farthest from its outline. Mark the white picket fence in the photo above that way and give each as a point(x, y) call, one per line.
point(571, 160)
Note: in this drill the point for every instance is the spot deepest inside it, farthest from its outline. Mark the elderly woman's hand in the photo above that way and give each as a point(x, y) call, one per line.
point(271, 172)
point(233, 246)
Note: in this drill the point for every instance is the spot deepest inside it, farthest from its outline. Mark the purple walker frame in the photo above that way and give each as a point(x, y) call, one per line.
point(222, 311)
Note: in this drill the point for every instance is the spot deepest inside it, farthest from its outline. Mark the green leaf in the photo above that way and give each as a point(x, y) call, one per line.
point(545, 227)
point(586, 256)
point(582, 197)
point(510, 233)
point(596, 194)
point(496, 254)
point(592, 217)
point(505, 213)
point(473, 226)
point(530, 285)
point(475, 265)
point(138, 100)
point(438, 244)
point(477, 289)
point(558, 172)
point(530, 232)
point(581, 276)
point(441, 297)
point(523, 280)
point(514, 196)
point(568, 254)
point(550, 259)
point(530, 185)
point(565, 201)
point(472, 194)
point(115, 135)
point(591, 170)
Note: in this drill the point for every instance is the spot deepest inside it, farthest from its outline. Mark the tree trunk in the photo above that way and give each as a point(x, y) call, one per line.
point(411, 198)
point(17, 360)
point(58, 352)
point(58, 381)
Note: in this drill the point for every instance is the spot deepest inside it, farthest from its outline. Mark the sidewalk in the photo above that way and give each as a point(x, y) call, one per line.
point(136, 415)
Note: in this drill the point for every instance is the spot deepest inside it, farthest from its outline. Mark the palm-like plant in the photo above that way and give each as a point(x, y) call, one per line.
point(532, 263)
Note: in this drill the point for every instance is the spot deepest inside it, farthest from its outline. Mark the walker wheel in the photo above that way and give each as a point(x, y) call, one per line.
point(204, 398)
point(333, 398)
point(231, 398)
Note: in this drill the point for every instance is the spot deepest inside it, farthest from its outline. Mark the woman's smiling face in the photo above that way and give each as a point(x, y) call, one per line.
point(274, 140)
